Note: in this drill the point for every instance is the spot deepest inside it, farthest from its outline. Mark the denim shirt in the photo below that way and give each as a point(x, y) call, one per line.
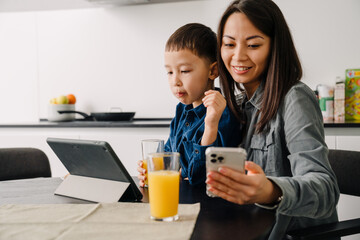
point(293, 154)
point(186, 131)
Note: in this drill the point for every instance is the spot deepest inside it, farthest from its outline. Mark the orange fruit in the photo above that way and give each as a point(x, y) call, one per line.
point(72, 98)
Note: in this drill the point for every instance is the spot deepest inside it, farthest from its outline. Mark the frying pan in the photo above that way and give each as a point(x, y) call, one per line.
point(104, 116)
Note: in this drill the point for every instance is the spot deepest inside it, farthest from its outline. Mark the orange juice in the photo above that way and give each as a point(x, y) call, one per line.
point(164, 193)
point(159, 165)
point(146, 173)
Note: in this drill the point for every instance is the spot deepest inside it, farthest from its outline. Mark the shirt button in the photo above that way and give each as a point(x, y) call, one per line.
point(196, 151)
point(187, 124)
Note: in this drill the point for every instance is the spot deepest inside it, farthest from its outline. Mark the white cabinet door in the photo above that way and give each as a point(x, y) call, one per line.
point(124, 141)
point(348, 143)
point(36, 138)
point(330, 142)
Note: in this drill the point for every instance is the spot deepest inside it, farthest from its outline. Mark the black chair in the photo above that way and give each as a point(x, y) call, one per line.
point(21, 163)
point(346, 165)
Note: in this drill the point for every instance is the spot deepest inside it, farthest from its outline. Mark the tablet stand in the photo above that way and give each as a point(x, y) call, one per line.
point(92, 189)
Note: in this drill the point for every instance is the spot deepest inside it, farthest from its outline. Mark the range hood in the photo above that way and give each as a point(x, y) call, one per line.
point(133, 2)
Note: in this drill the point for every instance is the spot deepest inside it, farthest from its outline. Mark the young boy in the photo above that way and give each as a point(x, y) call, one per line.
point(202, 118)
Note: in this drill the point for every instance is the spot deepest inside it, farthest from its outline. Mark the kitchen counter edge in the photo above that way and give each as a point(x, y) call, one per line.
point(136, 123)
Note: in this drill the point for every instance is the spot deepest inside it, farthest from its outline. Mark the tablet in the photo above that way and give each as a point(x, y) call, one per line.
point(94, 159)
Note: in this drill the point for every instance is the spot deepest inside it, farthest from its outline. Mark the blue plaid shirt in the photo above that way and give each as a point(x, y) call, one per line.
point(186, 131)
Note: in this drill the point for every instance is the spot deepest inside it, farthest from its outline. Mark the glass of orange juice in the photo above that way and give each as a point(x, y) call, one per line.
point(164, 180)
point(150, 146)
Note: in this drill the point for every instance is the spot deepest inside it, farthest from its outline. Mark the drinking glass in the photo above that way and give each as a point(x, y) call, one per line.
point(164, 181)
point(150, 146)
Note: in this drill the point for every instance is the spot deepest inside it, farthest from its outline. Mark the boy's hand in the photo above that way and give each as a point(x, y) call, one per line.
point(215, 104)
point(141, 175)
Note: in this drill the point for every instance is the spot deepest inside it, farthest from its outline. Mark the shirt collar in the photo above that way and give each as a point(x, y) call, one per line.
point(199, 111)
point(256, 99)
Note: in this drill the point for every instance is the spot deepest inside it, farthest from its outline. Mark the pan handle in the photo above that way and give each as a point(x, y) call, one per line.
point(81, 113)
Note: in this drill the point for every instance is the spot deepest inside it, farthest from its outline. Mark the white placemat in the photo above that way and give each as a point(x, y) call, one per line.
point(93, 221)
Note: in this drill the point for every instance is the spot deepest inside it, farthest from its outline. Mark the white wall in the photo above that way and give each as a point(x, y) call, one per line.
point(18, 67)
point(113, 57)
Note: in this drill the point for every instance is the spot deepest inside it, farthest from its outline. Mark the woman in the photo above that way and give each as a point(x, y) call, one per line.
point(287, 167)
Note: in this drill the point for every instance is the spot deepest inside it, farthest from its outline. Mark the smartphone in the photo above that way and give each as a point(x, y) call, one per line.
point(231, 157)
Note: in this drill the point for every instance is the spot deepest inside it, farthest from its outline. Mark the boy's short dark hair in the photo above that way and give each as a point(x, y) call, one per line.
point(197, 38)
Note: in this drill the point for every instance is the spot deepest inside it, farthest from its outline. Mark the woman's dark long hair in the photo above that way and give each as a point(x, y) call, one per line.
point(284, 68)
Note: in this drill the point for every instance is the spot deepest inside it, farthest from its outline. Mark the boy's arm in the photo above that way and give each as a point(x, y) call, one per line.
point(215, 104)
point(228, 135)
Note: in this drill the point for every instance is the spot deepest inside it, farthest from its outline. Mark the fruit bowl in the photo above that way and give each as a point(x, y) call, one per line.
point(54, 116)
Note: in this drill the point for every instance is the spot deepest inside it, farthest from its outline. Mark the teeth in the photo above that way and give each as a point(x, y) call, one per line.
point(242, 68)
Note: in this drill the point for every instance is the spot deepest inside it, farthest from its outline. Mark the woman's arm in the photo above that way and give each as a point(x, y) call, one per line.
point(310, 189)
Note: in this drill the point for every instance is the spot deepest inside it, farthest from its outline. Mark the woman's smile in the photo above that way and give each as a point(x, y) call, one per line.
point(241, 70)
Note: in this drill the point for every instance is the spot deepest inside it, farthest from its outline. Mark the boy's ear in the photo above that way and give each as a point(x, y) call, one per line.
point(214, 72)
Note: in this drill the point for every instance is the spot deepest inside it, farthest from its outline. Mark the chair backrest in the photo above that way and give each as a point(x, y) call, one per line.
point(21, 163)
point(346, 165)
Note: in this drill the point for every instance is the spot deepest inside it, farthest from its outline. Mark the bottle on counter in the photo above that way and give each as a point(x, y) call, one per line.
point(339, 100)
point(326, 101)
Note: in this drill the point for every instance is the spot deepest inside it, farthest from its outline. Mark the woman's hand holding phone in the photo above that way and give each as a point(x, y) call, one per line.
point(238, 187)
point(221, 157)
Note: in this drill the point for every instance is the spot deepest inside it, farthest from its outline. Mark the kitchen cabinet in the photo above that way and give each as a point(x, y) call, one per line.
point(124, 141)
point(348, 143)
point(331, 142)
point(345, 138)
point(36, 139)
